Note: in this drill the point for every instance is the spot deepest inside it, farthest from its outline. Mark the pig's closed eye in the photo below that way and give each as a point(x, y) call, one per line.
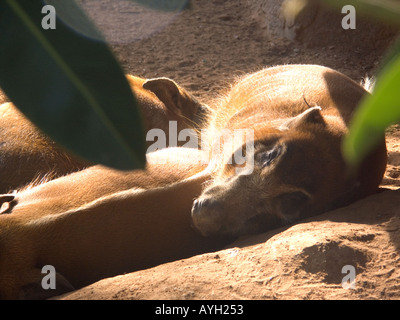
point(265, 158)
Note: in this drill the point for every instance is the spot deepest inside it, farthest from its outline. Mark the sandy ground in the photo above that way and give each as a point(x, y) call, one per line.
point(204, 49)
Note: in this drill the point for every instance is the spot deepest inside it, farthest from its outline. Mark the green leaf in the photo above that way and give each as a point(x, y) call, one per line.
point(69, 86)
point(375, 113)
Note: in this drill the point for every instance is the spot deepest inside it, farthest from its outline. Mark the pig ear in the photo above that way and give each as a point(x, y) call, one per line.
point(178, 100)
point(310, 116)
point(168, 92)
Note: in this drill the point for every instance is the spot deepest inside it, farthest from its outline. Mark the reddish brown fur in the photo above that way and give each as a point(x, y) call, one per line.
point(27, 155)
point(100, 222)
point(85, 220)
point(309, 175)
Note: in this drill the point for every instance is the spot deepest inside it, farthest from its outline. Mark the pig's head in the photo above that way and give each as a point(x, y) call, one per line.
point(298, 171)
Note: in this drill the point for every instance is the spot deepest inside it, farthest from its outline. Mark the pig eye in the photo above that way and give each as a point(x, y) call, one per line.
point(265, 158)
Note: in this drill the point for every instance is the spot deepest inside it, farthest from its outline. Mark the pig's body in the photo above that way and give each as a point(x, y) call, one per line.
point(97, 222)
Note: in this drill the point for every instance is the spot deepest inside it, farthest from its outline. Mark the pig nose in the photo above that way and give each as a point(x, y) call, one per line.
point(207, 215)
point(205, 204)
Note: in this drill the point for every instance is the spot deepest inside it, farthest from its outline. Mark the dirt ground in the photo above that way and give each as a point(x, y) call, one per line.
point(204, 49)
